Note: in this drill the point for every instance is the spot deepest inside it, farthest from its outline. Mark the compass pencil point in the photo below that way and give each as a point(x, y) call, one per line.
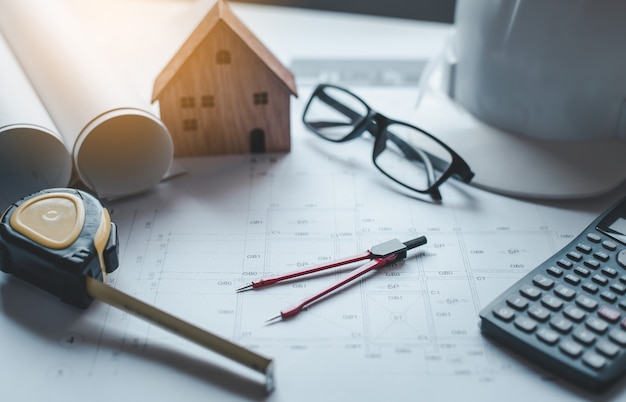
point(274, 319)
point(244, 288)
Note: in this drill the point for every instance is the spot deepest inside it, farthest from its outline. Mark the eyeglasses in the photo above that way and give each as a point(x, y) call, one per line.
point(406, 154)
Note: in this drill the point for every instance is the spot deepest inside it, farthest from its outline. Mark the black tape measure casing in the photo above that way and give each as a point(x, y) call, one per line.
point(55, 238)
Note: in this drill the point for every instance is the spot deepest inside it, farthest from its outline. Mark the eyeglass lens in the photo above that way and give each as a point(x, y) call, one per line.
point(335, 113)
point(409, 156)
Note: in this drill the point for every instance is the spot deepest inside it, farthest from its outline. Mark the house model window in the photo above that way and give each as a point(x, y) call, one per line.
point(260, 98)
point(187, 102)
point(190, 125)
point(209, 92)
point(208, 101)
point(222, 57)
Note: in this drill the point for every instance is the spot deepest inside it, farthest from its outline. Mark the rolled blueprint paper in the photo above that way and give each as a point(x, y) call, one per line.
point(32, 152)
point(118, 147)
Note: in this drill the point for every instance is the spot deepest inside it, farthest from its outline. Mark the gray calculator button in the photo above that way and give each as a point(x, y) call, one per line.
point(572, 349)
point(561, 324)
point(582, 271)
point(610, 272)
point(597, 325)
point(548, 336)
point(593, 264)
point(525, 324)
point(594, 360)
point(574, 256)
point(600, 280)
point(618, 288)
point(504, 313)
point(563, 263)
point(583, 248)
point(572, 279)
point(608, 296)
point(594, 238)
point(609, 245)
point(543, 282)
point(574, 314)
point(564, 292)
point(539, 313)
point(607, 348)
point(552, 302)
point(586, 302)
point(618, 336)
point(554, 271)
point(517, 302)
point(601, 255)
point(590, 287)
point(530, 292)
point(583, 336)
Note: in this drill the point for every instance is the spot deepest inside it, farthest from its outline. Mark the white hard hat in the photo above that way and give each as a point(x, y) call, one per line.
point(532, 94)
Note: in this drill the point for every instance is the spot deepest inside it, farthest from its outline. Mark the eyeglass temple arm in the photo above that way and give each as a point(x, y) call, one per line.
point(326, 124)
point(340, 107)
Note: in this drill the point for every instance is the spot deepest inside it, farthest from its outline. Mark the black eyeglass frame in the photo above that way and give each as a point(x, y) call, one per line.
point(376, 124)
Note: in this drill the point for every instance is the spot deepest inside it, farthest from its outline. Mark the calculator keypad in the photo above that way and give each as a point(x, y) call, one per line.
point(574, 305)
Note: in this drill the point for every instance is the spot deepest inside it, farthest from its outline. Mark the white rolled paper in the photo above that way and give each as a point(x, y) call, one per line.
point(32, 152)
point(118, 147)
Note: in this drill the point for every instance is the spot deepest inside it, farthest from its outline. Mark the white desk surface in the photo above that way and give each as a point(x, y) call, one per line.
point(406, 333)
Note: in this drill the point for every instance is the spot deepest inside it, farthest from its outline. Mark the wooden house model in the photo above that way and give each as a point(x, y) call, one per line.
point(224, 92)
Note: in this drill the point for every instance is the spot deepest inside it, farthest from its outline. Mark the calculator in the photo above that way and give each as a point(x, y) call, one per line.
point(568, 315)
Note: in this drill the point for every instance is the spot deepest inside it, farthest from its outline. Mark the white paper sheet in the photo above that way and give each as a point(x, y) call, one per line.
point(407, 332)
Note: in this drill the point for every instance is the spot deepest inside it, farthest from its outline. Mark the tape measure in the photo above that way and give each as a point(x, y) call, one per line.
point(63, 241)
point(55, 238)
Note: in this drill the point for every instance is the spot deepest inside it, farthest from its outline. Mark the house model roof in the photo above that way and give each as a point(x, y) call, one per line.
point(222, 12)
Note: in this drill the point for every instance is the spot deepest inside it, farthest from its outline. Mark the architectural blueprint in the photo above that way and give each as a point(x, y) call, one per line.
point(408, 330)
